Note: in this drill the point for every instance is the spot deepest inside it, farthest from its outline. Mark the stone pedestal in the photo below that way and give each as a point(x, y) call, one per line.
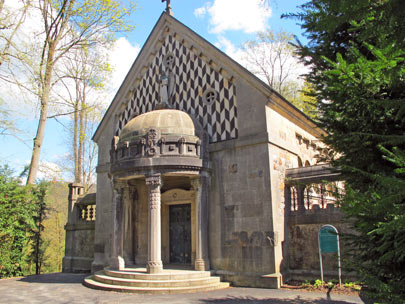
point(154, 264)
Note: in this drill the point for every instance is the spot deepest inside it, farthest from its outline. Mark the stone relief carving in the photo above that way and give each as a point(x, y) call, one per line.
point(153, 137)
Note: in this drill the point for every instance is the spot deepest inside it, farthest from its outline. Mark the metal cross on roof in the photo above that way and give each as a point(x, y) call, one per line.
point(168, 7)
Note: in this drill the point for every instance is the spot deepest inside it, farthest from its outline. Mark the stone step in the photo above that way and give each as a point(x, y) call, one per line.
point(167, 275)
point(90, 282)
point(183, 282)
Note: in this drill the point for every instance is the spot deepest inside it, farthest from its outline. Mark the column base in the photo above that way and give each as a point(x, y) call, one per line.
point(117, 263)
point(201, 265)
point(154, 267)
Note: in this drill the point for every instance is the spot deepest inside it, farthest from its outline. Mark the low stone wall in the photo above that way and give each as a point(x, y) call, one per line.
point(302, 261)
point(79, 249)
point(79, 256)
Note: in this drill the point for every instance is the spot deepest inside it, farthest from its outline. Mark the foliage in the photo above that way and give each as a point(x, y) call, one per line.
point(305, 100)
point(272, 57)
point(61, 27)
point(16, 223)
point(54, 232)
point(31, 226)
point(81, 91)
point(39, 245)
point(318, 284)
point(356, 51)
point(7, 125)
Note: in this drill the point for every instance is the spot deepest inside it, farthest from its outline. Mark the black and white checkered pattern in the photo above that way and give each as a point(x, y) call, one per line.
point(193, 77)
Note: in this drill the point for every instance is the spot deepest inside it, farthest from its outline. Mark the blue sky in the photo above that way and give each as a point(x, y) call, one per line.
point(224, 23)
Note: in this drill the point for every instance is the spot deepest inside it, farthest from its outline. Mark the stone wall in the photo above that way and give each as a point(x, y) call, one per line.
point(79, 249)
point(302, 248)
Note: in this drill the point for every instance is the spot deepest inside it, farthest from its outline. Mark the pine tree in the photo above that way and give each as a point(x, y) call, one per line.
point(356, 51)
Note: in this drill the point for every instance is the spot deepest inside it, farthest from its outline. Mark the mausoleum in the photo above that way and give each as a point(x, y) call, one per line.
point(201, 176)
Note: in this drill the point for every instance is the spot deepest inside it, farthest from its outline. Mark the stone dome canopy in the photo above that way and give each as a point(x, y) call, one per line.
point(168, 121)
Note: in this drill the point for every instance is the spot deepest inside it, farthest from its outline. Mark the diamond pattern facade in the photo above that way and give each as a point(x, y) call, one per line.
point(192, 78)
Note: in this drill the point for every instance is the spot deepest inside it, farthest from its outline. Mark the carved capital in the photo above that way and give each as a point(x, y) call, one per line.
point(195, 183)
point(153, 180)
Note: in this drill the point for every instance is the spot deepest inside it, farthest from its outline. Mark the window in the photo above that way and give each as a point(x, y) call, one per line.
point(210, 96)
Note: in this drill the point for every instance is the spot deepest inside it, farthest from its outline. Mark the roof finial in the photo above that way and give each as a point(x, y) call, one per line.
point(168, 7)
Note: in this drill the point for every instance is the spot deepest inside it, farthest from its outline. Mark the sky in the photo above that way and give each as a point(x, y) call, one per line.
point(227, 24)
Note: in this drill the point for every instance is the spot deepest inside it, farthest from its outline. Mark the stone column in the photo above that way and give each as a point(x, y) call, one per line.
point(117, 256)
point(300, 198)
point(155, 264)
point(200, 186)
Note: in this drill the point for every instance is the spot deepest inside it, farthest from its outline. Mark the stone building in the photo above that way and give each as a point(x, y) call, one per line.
point(192, 163)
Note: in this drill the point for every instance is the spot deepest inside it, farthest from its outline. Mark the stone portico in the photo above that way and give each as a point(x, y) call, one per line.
point(154, 147)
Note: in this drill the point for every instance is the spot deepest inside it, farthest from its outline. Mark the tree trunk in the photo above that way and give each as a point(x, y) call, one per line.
point(54, 34)
point(75, 140)
point(81, 139)
point(44, 97)
point(39, 138)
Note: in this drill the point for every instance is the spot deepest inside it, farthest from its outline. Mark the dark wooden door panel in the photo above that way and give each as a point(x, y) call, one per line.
point(180, 233)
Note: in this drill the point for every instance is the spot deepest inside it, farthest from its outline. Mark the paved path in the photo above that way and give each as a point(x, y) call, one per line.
point(67, 288)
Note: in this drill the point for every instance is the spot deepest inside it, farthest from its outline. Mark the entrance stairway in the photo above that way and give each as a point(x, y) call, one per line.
point(170, 281)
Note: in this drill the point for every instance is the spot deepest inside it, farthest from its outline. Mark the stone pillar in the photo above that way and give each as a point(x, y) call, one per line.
point(155, 264)
point(300, 198)
point(75, 190)
point(200, 186)
point(117, 256)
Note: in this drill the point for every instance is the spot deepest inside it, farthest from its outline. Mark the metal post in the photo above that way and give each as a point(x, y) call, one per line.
point(339, 267)
point(320, 254)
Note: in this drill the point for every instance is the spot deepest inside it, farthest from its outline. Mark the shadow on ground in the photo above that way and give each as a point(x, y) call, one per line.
point(56, 278)
point(252, 300)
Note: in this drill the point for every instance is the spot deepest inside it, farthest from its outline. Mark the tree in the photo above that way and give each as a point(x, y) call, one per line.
point(83, 84)
point(7, 125)
point(10, 22)
point(67, 25)
point(356, 52)
point(54, 232)
point(271, 56)
point(40, 213)
point(16, 224)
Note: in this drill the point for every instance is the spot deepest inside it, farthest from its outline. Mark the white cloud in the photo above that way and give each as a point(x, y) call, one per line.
point(49, 171)
point(248, 16)
point(200, 12)
point(122, 57)
point(228, 48)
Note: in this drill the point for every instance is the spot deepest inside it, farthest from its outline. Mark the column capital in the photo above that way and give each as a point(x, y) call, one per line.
point(153, 180)
point(195, 183)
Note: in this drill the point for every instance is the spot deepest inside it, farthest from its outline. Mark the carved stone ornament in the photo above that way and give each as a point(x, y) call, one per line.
point(154, 199)
point(153, 180)
point(153, 137)
point(155, 264)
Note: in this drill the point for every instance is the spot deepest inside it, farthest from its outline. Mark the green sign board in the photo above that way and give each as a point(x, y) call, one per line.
point(328, 239)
